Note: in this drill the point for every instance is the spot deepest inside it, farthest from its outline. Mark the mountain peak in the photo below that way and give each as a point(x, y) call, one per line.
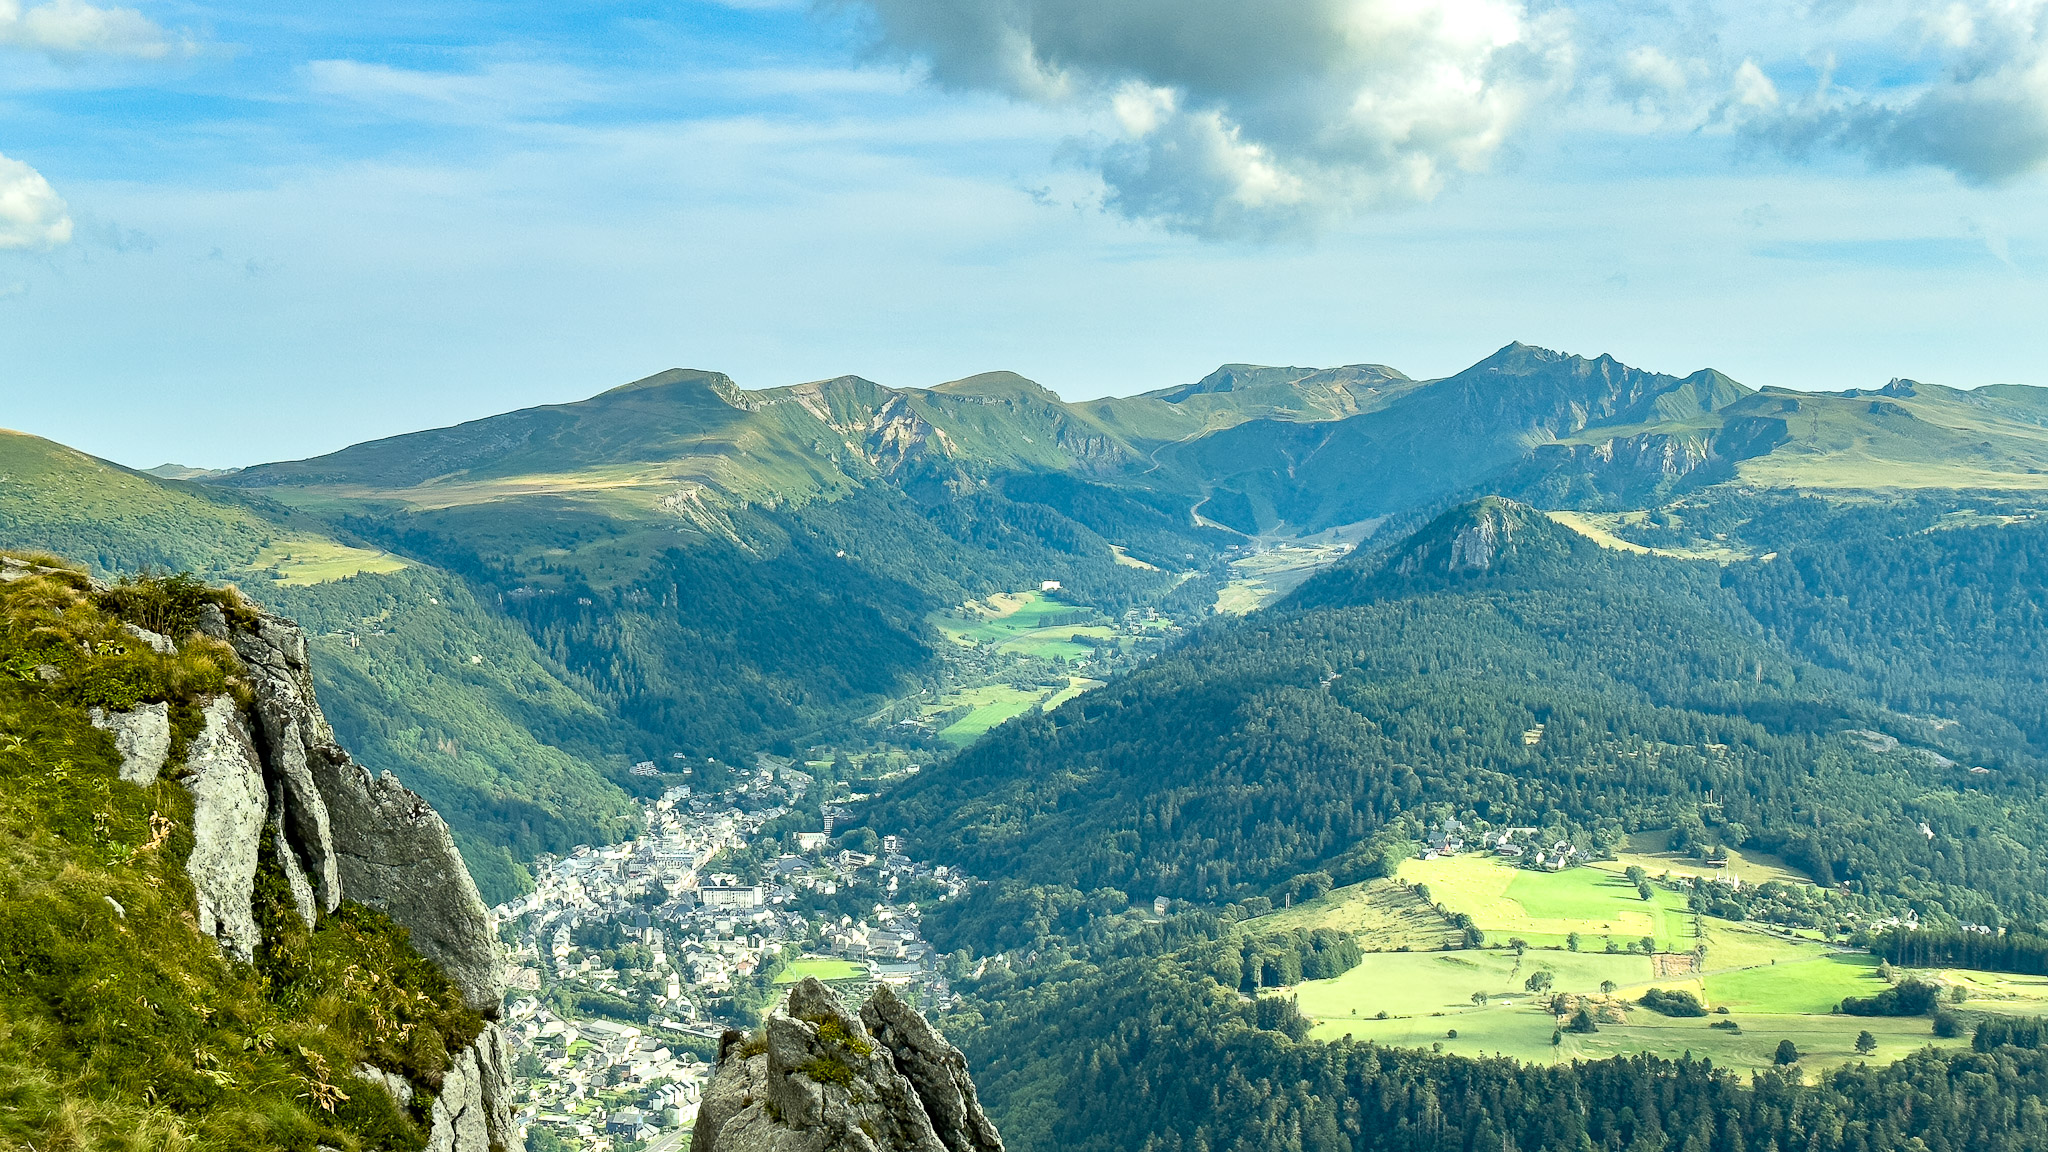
point(1490, 536)
point(1000, 383)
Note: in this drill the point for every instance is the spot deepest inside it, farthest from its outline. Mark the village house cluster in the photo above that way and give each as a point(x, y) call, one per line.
point(627, 962)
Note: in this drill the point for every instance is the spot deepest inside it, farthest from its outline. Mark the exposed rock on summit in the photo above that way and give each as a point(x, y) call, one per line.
point(820, 1079)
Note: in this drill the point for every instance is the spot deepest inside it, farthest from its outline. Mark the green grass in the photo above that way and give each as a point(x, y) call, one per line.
point(122, 1027)
point(1651, 852)
point(823, 968)
point(1422, 983)
point(1810, 986)
point(1381, 914)
point(993, 704)
point(1544, 908)
point(304, 560)
point(1018, 622)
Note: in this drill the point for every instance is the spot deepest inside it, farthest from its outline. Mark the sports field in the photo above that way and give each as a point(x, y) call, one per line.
point(824, 968)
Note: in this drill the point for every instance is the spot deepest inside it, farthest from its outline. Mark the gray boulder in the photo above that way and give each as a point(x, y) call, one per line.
point(817, 1079)
point(225, 777)
point(394, 853)
point(936, 1069)
point(142, 737)
point(472, 1113)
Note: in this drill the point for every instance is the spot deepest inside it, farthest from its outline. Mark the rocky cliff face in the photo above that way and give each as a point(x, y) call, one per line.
point(269, 774)
point(820, 1079)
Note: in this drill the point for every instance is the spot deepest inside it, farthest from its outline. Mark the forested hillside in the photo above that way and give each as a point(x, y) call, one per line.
point(1500, 667)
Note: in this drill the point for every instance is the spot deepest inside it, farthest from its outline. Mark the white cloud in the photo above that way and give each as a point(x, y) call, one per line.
point(495, 91)
point(32, 215)
point(69, 28)
point(1240, 118)
point(1982, 114)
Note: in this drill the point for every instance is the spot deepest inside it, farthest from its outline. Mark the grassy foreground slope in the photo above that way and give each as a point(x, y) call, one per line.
point(513, 752)
point(121, 1025)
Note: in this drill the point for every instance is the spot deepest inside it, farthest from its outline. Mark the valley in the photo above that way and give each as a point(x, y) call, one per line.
point(1280, 728)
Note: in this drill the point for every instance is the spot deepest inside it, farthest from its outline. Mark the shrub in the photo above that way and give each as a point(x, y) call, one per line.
point(1909, 997)
point(1673, 1002)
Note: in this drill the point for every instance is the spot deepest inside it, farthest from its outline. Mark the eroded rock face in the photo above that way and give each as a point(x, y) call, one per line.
point(349, 834)
point(936, 1069)
point(472, 1114)
point(394, 853)
point(229, 806)
point(142, 737)
point(274, 775)
point(820, 1079)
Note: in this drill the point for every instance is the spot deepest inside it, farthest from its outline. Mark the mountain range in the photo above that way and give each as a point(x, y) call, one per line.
point(513, 610)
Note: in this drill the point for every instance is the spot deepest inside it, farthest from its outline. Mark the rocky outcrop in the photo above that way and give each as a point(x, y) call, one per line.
point(229, 807)
point(395, 854)
point(819, 1079)
point(272, 775)
point(347, 833)
point(142, 736)
point(472, 1113)
point(936, 1069)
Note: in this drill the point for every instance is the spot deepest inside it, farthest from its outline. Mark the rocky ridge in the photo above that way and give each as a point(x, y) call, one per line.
point(269, 773)
point(818, 1078)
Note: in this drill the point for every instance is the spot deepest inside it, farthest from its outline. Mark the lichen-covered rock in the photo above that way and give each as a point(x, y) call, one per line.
point(394, 853)
point(143, 738)
point(472, 1114)
point(818, 1079)
point(369, 839)
point(292, 726)
point(229, 804)
point(936, 1069)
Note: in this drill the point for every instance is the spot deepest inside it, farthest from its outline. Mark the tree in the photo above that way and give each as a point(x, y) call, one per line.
point(1643, 889)
point(1946, 1025)
point(1607, 987)
point(1479, 998)
point(1788, 1053)
point(1538, 981)
point(1518, 944)
point(1571, 941)
point(1582, 1021)
point(1865, 1043)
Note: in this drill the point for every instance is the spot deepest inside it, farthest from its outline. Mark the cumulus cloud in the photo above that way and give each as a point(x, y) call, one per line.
point(32, 215)
point(1230, 118)
point(1983, 115)
point(69, 28)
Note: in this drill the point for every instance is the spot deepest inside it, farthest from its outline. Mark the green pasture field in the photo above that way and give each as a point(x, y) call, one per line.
point(824, 968)
point(1544, 908)
point(304, 560)
point(1381, 914)
point(1419, 984)
point(1651, 852)
point(1016, 622)
point(1811, 985)
point(992, 703)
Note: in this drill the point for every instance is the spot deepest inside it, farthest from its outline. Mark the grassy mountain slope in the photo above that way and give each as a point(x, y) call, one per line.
point(1386, 696)
point(121, 1025)
point(513, 752)
point(1428, 442)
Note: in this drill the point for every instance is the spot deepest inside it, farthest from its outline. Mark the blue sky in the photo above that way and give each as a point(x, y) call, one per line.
point(232, 232)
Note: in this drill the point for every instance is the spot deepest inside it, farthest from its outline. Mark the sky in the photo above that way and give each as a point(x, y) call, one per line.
point(236, 231)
